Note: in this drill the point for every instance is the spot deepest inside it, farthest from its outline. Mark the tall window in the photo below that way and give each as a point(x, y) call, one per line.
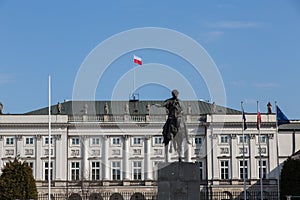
point(95, 171)
point(264, 169)
point(75, 172)
point(29, 140)
point(137, 170)
point(48, 168)
point(242, 169)
point(224, 169)
point(116, 170)
point(10, 141)
point(200, 169)
point(224, 139)
point(31, 165)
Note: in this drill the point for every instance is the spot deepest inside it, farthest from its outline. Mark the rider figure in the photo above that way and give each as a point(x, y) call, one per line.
point(172, 124)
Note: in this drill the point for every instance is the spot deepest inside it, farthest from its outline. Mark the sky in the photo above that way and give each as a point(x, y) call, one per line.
point(254, 45)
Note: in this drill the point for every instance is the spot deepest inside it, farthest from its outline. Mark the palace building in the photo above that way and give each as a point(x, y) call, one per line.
point(111, 149)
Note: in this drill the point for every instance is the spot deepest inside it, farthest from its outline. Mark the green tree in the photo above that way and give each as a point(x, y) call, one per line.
point(17, 182)
point(290, 178)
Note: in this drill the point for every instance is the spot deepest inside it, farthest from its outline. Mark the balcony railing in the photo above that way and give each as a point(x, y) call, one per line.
point(131, 118)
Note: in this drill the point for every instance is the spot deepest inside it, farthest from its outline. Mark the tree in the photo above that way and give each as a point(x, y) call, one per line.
point(290, 178)
point(17, 182)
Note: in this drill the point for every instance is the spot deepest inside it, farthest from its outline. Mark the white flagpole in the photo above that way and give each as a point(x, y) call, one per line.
point(49, 137)
point(277, 155)
point(243, 135)
point(259, 147)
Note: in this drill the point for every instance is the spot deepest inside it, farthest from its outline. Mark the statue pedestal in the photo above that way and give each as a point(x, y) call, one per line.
point(178, 181)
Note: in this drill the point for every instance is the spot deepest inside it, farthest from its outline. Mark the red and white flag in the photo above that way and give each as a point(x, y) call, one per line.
point(258, 120)
point(137, 60)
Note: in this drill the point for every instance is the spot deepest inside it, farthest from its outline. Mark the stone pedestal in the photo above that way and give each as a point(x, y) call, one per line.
point(178, 181)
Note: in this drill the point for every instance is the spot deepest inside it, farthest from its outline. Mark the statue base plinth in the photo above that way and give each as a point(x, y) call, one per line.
point(178, 181)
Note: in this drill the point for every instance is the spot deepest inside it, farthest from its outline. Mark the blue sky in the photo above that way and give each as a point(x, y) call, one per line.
point(254, 44)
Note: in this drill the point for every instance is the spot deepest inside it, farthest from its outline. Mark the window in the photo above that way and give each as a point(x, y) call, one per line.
point(95, 141)
point(31, 165)
point(243, 139)
point(158, 140)
point(95, 171)
point(198, 140)
point(46, 140)
point(75, 172)
point(262, 139)
point(75, 141)
point(137, 140)
point(29, 140)
point(137, 170)
point(116, 170)
point(242, 169)
point(200, 169)
point(224, 139)
point(10, 140)
point(46, 171)
point(264, 169)
point(116, 141)
point(224, 169)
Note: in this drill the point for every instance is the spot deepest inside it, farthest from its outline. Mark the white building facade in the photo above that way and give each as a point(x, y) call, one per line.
point(115, 156)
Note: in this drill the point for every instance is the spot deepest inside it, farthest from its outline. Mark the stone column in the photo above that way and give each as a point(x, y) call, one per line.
point(233, 161)
point(38, 154)
point(19, 145)
point(105, 163)
point(252, 161)
point(85, 155)
point(148, 169)
point(126, 168)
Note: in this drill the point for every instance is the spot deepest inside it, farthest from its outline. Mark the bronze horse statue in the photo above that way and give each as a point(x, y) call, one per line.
point(174, 129)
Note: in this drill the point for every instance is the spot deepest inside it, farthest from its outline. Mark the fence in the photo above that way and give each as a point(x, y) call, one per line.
point(236, 195)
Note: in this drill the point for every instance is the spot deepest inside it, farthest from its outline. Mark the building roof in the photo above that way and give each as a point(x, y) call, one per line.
point(291, 126)
point(134, 107)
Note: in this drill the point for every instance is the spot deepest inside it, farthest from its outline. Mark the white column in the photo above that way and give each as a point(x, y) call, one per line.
point(105, 163)
point(19, 145)
point(233, 153)
point(126, 168)
point(58, 168)
point(85, 155)
point(1, 150)
point(252, 161)
point(38, 154)
point(147, 162)
point(187, 150)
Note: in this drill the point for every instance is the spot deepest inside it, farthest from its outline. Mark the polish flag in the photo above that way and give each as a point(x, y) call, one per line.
point(258, 120)
point(137, 60)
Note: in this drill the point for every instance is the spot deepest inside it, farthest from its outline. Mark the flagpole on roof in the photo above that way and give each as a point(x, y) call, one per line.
point(259, 147)
point(244, 127)
point(49, 137)
point(277, 154)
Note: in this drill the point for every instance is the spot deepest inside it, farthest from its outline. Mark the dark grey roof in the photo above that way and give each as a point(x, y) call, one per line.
point(135, 107)
point(293, 125)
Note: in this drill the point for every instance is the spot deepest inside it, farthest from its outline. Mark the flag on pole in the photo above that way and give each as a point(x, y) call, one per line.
point(258, 120)
point(281, 118)
point(137, 60)
point(244, 119)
